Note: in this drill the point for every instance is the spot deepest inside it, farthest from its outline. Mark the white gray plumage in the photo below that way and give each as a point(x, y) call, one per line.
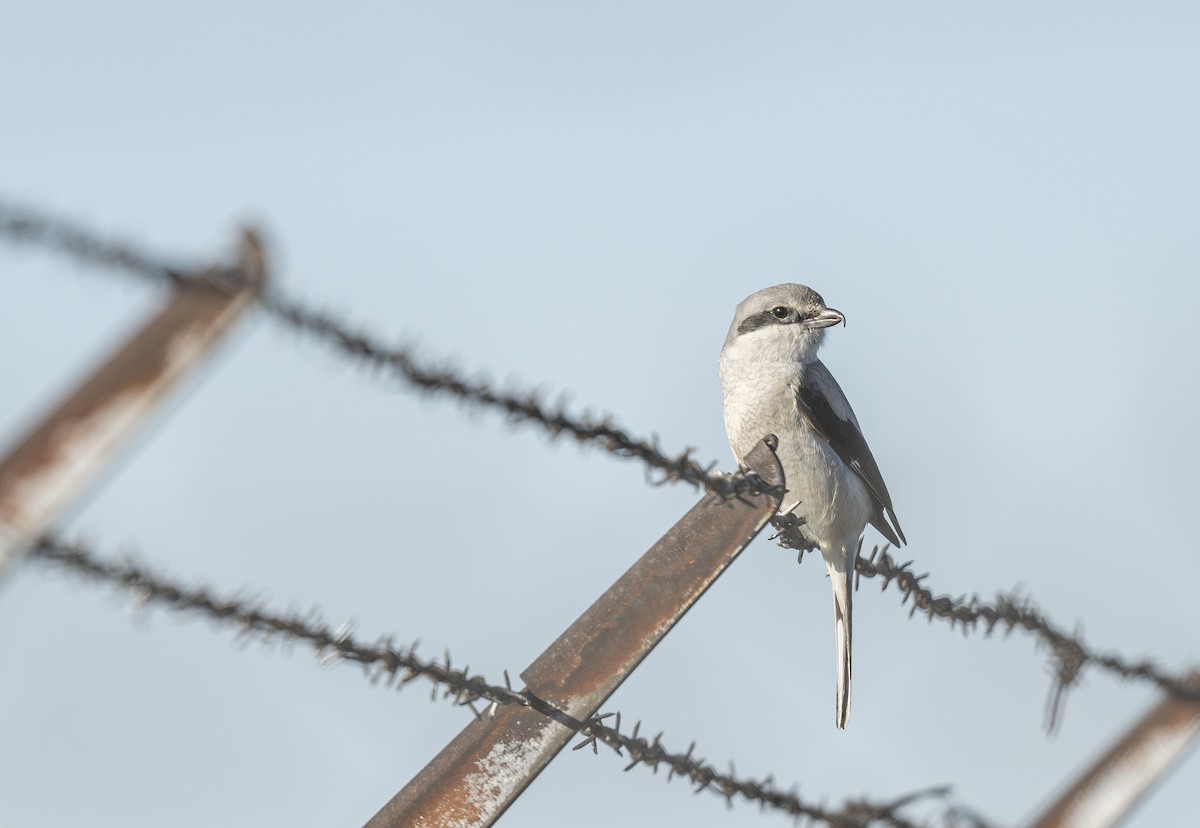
point(773, 383)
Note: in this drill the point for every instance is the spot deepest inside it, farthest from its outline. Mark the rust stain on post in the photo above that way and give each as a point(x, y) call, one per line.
point(1110, 788)
point(487, 766)
point(51, 466)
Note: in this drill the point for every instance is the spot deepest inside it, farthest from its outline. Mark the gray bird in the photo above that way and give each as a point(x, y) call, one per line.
point(773, 383)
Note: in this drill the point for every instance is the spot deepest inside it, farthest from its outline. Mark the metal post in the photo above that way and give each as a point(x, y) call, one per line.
point(487, 766)
point(48, 470)
point(1114, 784)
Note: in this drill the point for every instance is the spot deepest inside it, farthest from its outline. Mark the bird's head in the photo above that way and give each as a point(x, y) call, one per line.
point(786, 319)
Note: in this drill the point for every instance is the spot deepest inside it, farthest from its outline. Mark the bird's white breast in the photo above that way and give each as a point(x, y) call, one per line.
point(759, 382)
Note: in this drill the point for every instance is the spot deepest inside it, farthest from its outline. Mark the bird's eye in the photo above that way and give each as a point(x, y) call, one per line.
point(780, 312)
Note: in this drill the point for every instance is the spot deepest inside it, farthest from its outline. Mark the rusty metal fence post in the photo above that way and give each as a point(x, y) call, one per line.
point(52, 466)
point(1110, 788)
point(487, 766)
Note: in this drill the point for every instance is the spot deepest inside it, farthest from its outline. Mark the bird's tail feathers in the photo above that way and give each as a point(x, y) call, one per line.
point(840, 578)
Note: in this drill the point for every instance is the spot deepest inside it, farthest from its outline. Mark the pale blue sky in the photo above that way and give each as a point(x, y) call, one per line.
point(1002, 198)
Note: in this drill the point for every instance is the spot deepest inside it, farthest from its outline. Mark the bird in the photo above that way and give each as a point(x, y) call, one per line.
point(773, 383)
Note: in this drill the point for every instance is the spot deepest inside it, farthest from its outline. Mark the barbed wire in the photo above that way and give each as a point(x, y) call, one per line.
point(27, 226)
point(1069, 654)
point(398, 665)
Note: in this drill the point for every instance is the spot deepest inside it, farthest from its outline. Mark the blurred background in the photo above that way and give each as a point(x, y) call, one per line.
point(1002, 198)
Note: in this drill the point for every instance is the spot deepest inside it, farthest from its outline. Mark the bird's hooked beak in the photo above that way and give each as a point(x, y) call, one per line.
point(826, 318)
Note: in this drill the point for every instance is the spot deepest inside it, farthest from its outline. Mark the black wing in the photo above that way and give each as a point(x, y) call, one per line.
point(848, 442)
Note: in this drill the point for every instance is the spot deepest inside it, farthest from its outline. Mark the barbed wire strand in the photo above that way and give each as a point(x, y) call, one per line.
point(397, 665)
point(27, 226)
point(1068, 653)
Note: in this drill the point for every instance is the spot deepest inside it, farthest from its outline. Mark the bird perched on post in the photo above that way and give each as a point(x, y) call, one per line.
point(773, 383)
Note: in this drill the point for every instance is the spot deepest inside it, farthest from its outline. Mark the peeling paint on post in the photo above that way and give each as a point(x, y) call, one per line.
point(1110, 788)
point(48, 469)
point(487, 766)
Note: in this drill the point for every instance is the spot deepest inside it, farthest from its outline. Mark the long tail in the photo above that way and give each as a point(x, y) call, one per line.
point(841, 573)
